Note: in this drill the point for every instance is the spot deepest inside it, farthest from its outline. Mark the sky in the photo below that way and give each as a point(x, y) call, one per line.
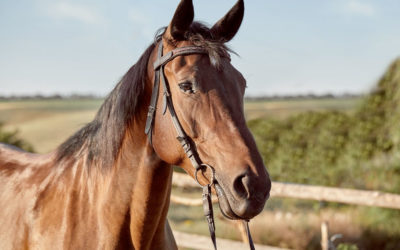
point(285, 47)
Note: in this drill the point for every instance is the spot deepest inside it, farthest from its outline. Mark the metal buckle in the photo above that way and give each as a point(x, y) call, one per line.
point(201, 166)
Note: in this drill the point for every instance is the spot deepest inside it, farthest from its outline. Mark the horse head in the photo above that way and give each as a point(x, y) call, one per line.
point(207, 93)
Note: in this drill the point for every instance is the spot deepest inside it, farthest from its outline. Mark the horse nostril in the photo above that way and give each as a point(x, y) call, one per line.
point(247, 186)
point(241, 186)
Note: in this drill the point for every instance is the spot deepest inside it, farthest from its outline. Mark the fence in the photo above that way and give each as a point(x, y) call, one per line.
point(300, 191)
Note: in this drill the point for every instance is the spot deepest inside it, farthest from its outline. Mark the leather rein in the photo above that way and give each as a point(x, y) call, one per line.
point(186, 142)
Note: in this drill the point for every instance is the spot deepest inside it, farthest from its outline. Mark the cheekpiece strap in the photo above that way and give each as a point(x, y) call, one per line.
point(153, 101)
point(159, 64)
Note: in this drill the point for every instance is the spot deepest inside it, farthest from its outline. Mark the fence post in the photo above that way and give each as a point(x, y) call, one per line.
point(242, 231)
point(324, 236)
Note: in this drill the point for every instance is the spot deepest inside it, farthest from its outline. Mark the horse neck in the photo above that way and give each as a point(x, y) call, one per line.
point(149, 201)
point(131, 197)
point(148, 180)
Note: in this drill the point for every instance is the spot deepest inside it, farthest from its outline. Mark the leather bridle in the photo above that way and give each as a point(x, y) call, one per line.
point(186, 142)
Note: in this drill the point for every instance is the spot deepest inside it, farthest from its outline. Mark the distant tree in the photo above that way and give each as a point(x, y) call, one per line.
point(12, 138)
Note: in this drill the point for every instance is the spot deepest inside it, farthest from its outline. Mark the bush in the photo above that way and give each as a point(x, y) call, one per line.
point(336, 149)
point(333, 148)
point(297, 149)
point(13, 139)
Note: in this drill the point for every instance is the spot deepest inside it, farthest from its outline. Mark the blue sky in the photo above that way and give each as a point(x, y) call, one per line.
point(285, 47)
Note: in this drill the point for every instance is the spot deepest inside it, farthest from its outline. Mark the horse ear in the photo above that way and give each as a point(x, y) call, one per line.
point(181, 21)
point(227, 27)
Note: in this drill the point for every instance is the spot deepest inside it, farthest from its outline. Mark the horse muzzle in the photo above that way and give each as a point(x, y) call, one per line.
point(245, 199)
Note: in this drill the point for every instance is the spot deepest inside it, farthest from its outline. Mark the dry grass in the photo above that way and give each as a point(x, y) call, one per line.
point(284, 108)
point(46, 138)
point(47, 123)
point(301, 230)
point(294, 228)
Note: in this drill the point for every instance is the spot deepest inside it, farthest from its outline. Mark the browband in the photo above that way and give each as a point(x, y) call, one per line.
point(181, 51)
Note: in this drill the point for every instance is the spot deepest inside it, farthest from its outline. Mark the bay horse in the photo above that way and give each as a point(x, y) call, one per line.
point(108, 186)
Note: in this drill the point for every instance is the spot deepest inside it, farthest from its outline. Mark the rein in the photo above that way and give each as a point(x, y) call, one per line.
point(186, 142)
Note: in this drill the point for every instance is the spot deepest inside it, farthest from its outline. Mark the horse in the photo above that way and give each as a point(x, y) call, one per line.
point(108, 186)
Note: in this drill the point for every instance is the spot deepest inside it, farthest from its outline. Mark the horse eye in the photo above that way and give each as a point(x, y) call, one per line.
point(186, 87)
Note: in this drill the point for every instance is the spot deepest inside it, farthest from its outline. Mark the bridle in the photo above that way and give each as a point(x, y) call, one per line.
point(186, 142)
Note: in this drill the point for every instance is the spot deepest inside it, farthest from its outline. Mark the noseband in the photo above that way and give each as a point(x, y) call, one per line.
point(186, 142)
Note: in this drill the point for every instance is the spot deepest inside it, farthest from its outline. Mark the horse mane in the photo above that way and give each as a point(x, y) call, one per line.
point(102, 138)
point(104, 135)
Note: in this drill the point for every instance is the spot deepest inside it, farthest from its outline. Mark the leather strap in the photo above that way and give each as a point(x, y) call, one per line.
point(181, 51)
point(209, 213)
point(153, 101)
point(250, 239)
point(186, 142)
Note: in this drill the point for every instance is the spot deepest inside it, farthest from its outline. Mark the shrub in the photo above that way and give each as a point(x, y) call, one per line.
point(337, 149)
point(12, 138)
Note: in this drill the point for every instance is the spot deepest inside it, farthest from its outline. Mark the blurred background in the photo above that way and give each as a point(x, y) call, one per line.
point(322, 101)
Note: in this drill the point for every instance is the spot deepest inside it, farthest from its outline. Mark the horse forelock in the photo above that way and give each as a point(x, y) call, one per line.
point(200, 35)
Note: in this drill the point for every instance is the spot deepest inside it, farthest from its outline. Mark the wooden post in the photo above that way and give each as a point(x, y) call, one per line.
point(242, 231)
point(324, 236)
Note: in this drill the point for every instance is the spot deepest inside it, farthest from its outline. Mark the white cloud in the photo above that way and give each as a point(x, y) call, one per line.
point(360, 8)
point(74, 11)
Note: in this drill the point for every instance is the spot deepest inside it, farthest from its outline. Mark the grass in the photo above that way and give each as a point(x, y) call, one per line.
point(191, 219)
point(47, 123)
point(282, 109)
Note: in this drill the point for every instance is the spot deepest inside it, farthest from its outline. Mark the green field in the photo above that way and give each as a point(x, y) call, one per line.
point(47, 123)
